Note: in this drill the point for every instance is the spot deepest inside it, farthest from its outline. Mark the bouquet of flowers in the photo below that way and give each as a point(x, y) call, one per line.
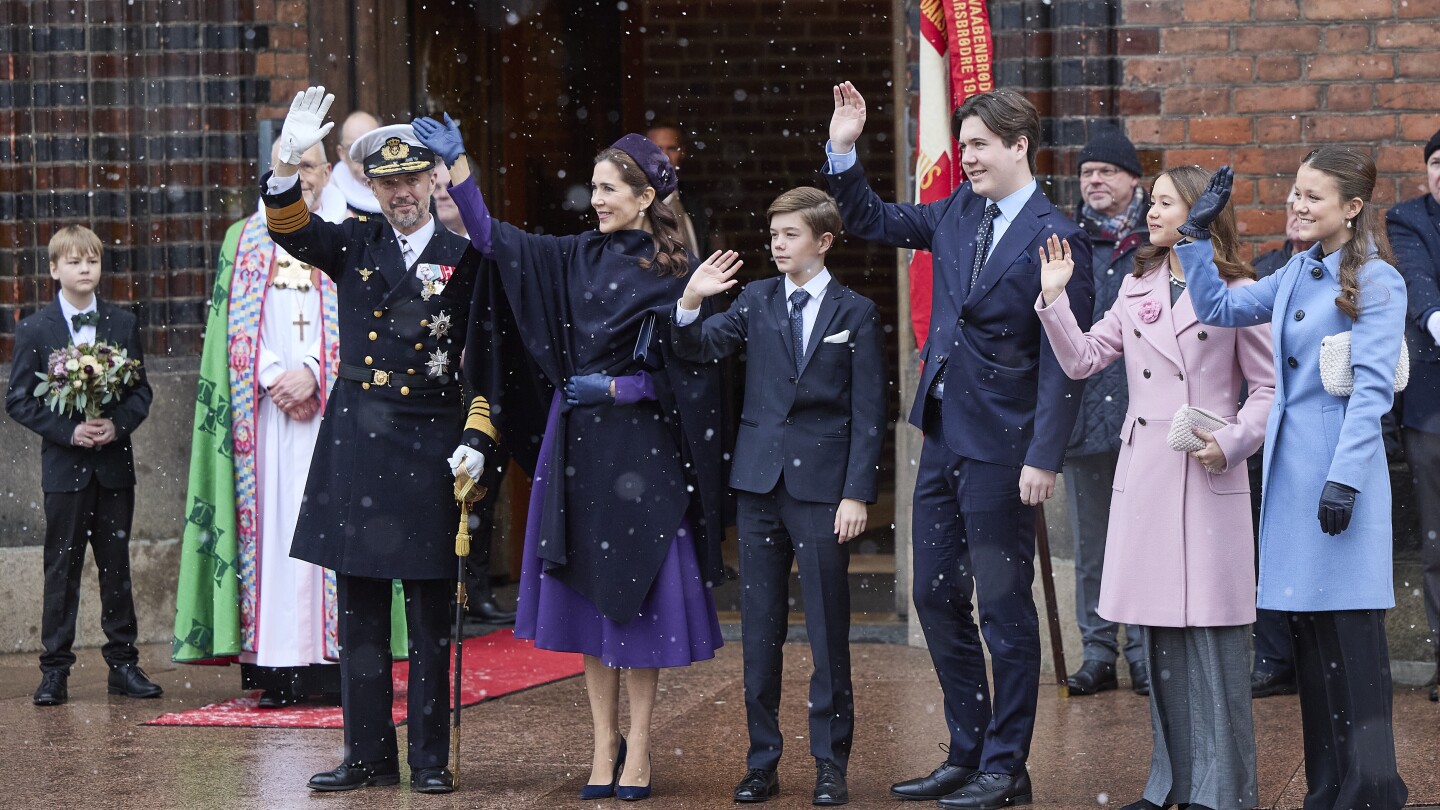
point(86, 378)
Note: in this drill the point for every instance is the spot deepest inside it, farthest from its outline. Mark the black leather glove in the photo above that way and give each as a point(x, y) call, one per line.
point(1211, 202)
point(1337, 504)
point(589, 389)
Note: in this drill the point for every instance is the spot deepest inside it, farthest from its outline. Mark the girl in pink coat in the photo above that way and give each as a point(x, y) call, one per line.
point(1179, 555)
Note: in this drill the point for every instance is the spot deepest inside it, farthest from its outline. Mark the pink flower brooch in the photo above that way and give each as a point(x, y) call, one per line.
point(1149, 311)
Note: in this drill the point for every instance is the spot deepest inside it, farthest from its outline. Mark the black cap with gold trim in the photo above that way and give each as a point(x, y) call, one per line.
point(392, 150)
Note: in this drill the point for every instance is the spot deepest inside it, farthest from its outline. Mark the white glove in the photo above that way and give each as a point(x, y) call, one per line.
point(305, 124)
point(468, 457)
point(1432, 325)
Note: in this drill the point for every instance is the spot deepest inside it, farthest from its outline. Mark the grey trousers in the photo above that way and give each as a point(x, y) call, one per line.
point(1088, 481)
point(1200, 714)
point(1422, 450)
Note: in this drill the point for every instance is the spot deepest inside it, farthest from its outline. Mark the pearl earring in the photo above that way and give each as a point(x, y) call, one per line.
point(1350, 223)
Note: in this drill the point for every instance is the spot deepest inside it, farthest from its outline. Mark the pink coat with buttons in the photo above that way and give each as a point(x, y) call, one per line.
point(1180, 550)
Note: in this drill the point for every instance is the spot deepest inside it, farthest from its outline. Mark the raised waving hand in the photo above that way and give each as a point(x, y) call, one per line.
point(1056, 267)
point(848, 120)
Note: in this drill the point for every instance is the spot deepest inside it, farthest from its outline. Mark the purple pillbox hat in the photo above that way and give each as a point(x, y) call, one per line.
point(652, 161)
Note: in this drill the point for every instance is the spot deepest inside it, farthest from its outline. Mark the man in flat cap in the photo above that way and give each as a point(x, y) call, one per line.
point(379, 502)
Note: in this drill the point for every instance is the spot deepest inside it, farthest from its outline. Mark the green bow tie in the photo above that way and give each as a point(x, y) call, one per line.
point(79, 319)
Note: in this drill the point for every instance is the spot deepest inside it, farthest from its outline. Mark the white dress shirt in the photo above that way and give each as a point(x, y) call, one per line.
point(815, 286)
point(86, 334)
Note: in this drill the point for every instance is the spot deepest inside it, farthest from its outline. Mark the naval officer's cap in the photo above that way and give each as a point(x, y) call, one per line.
point(391, 150)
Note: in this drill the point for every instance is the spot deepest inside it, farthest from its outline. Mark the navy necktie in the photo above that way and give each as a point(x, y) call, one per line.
point(798, 300)
point(91, 318)
point(983, 239)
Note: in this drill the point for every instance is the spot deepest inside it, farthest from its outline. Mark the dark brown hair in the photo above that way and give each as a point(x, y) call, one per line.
point(1190, 181)
point(817, 208)
point(1005, 113)
point(664, 225)
point(1354, 176)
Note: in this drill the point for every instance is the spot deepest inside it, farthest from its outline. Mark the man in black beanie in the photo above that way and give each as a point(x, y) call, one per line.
point(1112, 211)
point(1415, 237)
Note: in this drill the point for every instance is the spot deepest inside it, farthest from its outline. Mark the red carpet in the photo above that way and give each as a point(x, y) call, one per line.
point(495, 665)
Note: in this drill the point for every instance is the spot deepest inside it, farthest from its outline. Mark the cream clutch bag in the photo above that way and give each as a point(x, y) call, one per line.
point(1337, 375)
point(1181, 438)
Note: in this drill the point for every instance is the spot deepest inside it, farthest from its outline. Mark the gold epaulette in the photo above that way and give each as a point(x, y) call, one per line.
point(289, 219)
point(479, 419)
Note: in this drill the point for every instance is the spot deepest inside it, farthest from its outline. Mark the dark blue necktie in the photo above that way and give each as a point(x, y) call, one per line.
point(91, 318)
point(983, 239)
point(798, 300)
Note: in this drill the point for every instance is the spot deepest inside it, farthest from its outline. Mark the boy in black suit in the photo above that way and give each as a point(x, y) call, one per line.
point(87, 471)
point(805, 466)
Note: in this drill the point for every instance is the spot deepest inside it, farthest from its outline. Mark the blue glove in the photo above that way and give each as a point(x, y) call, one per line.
point(442, 139)
point(1337, 504)
point(1209, 205)
point(589, 389)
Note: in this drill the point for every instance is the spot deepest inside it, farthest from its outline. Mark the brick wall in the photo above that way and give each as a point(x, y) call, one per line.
point(750, 80)
point(138, 118)
point(1259, 83)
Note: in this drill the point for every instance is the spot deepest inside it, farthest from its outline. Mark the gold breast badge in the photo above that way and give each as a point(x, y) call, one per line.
point(365, 273)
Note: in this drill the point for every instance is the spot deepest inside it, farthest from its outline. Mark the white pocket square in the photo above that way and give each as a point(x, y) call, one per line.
point(838, 337)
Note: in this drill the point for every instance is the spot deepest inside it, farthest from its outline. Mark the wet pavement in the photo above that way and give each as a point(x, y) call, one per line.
point(531, 749)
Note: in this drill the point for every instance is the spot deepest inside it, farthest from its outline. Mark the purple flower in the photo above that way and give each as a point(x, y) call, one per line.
point(1149, 311)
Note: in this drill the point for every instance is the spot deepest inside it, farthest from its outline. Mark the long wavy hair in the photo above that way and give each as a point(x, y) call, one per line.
point(664, 225)
point(1190, 181)
point(1354, 176)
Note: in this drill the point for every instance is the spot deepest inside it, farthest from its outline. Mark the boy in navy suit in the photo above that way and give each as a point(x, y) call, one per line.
point(87, 471)
point(805, 465)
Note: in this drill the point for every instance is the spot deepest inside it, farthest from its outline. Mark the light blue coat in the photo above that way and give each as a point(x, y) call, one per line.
point(1311, 436)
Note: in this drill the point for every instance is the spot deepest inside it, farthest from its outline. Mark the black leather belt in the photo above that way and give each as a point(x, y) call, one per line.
point(394, 379)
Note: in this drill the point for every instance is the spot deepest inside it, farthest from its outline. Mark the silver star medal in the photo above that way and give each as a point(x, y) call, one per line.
point(440, 325)
point(438, 363)
point(430, 275)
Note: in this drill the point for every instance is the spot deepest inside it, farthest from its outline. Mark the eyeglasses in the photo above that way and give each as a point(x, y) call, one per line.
point(1107, 173)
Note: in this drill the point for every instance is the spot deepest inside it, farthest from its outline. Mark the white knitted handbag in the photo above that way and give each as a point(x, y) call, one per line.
point(1338, 375)
point(1182, 438)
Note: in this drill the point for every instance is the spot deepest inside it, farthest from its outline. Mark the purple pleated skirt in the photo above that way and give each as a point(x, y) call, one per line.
point(676, 626)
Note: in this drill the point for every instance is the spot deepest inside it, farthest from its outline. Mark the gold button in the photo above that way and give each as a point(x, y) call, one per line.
point(369, 360)
point(379, 312)
point(409, 371)
point(419, 347)
point(366, 386)
point(424, 322)
point(374, 336)
point(404, 390)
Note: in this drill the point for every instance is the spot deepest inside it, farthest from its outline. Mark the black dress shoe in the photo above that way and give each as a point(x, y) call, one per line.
point(487, 611)
point(1435, 694)
point(432, 780)
point(52, 691)
point(941, 782)
point(990, 791)
point(1092, 677)
point(1266, 684)
point(129, 680)
point(350, 776)
point(830, 788)
point(758, 785)
point(1140, 679)
point(278, 699)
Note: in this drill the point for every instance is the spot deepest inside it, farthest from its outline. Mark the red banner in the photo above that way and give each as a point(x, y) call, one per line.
point(955, 61)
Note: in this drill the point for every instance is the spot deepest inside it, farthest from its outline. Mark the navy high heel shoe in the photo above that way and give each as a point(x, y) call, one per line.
point(606, 791)
point(627, 793)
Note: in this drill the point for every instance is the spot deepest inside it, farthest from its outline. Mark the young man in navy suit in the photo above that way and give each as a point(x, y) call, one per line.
point(997, 412)
point(87, 471)
point(805, 465)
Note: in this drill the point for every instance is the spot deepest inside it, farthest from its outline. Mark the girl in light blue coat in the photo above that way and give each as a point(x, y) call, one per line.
point(1330, 572)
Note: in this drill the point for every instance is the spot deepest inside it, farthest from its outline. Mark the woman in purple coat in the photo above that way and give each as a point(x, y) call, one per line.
point(1179, 550)
point(622, 540)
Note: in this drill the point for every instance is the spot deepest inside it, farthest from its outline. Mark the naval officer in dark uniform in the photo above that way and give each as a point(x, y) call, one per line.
point(379, 501)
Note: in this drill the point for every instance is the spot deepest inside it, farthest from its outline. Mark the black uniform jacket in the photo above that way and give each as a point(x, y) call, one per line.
point(64, 467)
point(379, 501)
point(819, 427)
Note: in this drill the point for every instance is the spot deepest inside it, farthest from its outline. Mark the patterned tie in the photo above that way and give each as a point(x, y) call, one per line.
point(91, 318)
point(798, 300)
point(982, 241)
point(406, 254)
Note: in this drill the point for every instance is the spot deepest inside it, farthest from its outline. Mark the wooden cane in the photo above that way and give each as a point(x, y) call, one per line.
point(1052, 610)
point(467, 492)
